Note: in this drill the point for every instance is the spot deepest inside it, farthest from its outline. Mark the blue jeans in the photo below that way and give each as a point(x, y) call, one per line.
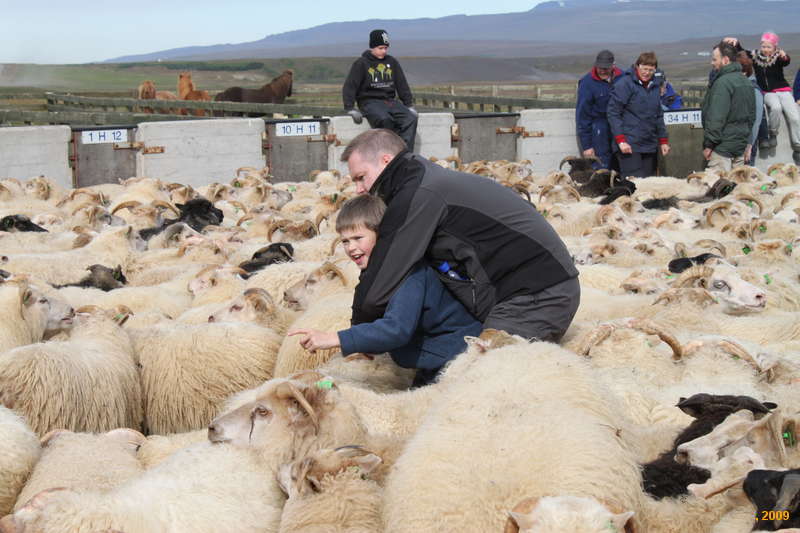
point(392, 115)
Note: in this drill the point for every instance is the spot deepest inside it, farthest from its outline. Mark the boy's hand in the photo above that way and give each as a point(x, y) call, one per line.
point(316, 340)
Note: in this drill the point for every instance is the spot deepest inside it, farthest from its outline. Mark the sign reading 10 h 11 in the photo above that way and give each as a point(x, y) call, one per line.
point(288, 129)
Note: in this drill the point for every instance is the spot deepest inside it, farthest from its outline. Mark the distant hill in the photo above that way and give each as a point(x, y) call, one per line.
point(548, 29)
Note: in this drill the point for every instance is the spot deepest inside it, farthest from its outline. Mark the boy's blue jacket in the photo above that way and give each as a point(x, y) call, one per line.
point(590, 114)
point(423, 326)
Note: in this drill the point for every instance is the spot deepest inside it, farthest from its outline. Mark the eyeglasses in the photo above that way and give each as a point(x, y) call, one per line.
point(647, 69)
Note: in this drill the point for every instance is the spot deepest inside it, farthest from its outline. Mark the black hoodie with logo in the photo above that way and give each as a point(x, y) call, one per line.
point(373, 78)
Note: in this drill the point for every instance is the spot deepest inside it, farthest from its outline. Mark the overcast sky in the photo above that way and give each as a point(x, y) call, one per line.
point(60, 31)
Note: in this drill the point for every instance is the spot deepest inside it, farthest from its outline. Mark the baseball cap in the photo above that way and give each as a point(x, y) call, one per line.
point(605, 59)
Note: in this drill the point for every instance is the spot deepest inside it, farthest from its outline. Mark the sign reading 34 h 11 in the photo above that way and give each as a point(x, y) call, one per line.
point(289, 129)
point(689, 116)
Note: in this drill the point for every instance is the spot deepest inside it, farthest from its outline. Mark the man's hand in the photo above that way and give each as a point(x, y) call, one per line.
point(589, 153)
point(707, 154)
point(747, 153)
point(413, 111)
point(733, 41)
point(625, 148)
point(665, 150)
point(314, 340)
point(357, 116)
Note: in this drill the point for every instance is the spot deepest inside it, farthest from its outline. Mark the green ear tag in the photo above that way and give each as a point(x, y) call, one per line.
point(767, 279)
point(764, 188)
point(749, 203)
point(789, 248)
point(324, 384)
point(611, 527)
point(670, 276)
point(292, 188)
point(335, 197)
point(118, 317)
point(790, 439)
point(762, 228)
point(746, 250)
point(544, 213)
point(237, 184)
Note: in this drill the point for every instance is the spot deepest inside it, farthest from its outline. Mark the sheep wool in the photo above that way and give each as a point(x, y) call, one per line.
point(19, 451)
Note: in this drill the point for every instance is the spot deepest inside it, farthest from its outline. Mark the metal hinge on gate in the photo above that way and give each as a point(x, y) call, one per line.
point(329, 138)
point(139, 146)
point(519, 130)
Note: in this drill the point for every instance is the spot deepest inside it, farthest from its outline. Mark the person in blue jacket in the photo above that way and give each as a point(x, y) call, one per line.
point(424, 325)
point(637, 119)
point(670, 99)
point(590, 111)
point(796, 87)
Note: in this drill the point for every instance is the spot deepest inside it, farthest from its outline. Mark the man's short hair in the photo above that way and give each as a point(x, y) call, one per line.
point(373, 143)
point(363, 210)
point(727, 50)
point(647, 58)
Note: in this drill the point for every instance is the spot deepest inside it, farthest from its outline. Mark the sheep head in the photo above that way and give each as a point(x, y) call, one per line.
point(307, 475)
point(319, 281)
point(289, 417)
point(550, 514)
point(725, 284)
point(253, 305)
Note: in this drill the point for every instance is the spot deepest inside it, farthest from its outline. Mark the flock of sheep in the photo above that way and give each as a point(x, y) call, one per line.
point(147, 384)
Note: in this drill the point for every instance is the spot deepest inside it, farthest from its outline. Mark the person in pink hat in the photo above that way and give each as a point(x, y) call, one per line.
point(768, 64)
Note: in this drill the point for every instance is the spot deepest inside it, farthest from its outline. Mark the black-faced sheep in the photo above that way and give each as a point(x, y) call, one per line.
point(19, 223)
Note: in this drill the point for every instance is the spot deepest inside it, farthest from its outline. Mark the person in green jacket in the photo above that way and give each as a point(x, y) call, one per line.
point(729, 110)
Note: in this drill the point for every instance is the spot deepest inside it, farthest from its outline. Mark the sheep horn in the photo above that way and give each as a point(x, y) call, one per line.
point(711, 244)
point(651, 328)
point(263, 191)
point(248, 169)
point(680, 250)
point(747, 197)
point(88, 309)
point(67, 198)
point(523, 190)
point(165, 205)
point(567, 159)
point(82, 206)
point(788, 197)
point(319, 219)
point(121, 314)
point(205, 270)
point(274, 226)
point(602, 213)
point(240, 205)
point(334, 244)
point(593, 338)
point(172, 186)
point(738, 174)
point(124, 205)
point(573, 191)
point(545, 191)
point(695, 176)
point(330, 267)
point(244, 219)
point(287, 391)
point(725, 205)
point(738, 350)
point(688, 276)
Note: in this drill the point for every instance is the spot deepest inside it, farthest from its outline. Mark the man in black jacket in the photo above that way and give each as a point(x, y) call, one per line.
point(374, 80)
point(513, 270)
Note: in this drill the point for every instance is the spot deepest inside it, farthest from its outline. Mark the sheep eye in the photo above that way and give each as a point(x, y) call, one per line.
point(719, 284)
point(236, 308)
point(310, 281)
point(43, 301)
point(261, 411)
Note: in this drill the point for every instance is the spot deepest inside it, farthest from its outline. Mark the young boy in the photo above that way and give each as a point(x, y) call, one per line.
point(424, 325)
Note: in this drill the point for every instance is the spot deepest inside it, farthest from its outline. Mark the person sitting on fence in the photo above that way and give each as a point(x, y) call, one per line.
point(636, 118)
point(750, 153)
point(590, 110)
point(374, 80)
point(768, 63)
point(729, 111)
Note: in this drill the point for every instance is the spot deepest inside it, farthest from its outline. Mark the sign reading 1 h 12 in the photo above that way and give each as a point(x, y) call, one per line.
point(289, 129)
point(104, 136)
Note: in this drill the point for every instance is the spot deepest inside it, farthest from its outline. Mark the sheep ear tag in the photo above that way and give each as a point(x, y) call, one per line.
point(324, 384)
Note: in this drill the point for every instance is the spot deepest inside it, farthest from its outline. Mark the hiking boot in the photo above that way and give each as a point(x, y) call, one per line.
point(773, 141)
point(796, 157)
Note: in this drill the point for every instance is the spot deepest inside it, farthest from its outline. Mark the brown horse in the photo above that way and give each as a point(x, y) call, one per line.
point(186, 91)
point(147, 91)
point(274, 92)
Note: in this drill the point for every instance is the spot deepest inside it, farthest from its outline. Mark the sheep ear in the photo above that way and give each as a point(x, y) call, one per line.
point(367, 463)
point(26, 297)
point(621, 521)
point(523, 521)
point(300, 399)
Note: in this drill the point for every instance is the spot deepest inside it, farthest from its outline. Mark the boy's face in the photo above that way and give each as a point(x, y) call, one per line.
point(358, 244)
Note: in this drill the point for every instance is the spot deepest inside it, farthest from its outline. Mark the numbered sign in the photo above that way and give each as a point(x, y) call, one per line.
point(104, 136)
point(293, 129)
point(683, 117)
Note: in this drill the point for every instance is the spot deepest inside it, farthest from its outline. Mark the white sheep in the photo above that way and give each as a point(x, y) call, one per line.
point(19, 452)
point(84, 461)
point(188, 370)
point(88, 382)
point(23, 315)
